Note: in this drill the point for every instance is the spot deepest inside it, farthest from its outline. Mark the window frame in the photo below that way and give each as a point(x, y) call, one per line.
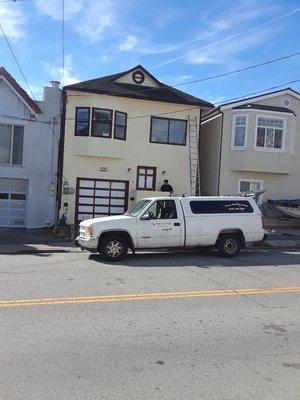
point(168, 119)
point(234, 117)
point(89, 121)
point(261, 182)
point(123, 126)
point(270, 149)
point(139, 167)
point(111, 125)
point(12, 133)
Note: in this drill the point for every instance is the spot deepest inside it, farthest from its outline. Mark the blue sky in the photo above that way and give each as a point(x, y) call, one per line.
point(176, 40)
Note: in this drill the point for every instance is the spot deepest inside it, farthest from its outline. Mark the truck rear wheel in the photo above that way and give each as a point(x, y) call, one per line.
point(229, 245)
point(113, 247)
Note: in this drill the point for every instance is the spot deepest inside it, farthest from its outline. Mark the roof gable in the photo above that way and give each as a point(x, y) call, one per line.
point(149, 88)
point(20, 92)
point(265, 96)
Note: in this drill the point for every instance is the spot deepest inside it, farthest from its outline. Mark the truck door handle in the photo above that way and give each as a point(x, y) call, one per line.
point(176, 223)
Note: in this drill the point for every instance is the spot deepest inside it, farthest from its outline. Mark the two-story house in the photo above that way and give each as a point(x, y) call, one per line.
point(251, 145)
point(29, 135)
point(122, 136)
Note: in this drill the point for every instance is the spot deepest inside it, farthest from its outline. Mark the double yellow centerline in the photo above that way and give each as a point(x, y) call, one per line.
point(147, 296)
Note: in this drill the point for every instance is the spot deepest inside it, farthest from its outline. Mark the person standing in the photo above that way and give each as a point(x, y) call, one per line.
point(166, 187)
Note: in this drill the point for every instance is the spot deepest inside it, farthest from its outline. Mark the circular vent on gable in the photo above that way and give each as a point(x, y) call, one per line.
point(286, 102)
point(138, 77)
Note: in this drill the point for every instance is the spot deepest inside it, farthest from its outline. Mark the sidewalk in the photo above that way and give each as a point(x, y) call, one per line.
point(35, 241)
point(31, 241)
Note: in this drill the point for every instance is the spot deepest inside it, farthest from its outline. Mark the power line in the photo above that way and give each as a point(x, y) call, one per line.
point(296, 10)
point(239, 70)
point(25, 119)
point(24, 77)
point(63, 43)
point(259, 92)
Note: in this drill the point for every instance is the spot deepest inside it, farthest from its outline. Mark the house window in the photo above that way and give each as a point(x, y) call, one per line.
point(146, 178)
point(250, 186)
point(166, 130)
point(239, 130)
point(82, 121)
point(270, 133)
point(11, 144)
point(120, 125)
point(101, 123)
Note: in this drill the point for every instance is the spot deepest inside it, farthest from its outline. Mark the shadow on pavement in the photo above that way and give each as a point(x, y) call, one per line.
point(205, 259)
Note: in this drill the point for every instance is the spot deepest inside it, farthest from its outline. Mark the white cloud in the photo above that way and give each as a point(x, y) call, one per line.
point(66, 77)
point(53, 8)
point(229, 52)
point(97, 18)
point(129, 44)
point(12, 22)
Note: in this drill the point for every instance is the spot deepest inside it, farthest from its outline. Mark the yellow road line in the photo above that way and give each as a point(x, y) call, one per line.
point(146, 296)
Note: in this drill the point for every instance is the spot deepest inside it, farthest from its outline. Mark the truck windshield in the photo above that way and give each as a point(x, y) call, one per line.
point(138, 208)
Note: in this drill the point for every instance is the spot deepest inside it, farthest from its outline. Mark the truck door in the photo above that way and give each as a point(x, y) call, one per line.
point(161, 225)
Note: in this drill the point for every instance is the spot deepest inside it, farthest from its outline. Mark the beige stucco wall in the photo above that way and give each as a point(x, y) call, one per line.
point(280, 172)
point(84, 156)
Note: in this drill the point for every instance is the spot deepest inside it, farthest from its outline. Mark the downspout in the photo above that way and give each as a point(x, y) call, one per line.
point(199, 139)
point(61, 155)
point(220, 155)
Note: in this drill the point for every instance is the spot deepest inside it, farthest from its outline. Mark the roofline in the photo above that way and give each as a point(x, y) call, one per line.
point(20, 92)
point(263, 96)
point(199, 104)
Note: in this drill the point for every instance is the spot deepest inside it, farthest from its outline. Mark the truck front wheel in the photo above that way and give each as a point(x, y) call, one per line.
point(113, 247)
point(229, 245)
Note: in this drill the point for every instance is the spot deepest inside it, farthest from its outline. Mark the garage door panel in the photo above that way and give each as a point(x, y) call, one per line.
point(86, 192)
point(86, 184)
point(103, 197)
point(103, 184)
point(13, 202)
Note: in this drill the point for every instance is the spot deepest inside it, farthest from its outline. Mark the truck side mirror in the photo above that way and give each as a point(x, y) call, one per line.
point(145, 217)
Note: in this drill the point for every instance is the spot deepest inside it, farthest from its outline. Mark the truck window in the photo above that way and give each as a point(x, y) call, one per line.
point(163, 209)
point(137, 208)
point(221, 207)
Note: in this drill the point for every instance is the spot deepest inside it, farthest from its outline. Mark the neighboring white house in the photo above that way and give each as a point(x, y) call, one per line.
point(29, 134)
point(253, 144)
point(124, 134)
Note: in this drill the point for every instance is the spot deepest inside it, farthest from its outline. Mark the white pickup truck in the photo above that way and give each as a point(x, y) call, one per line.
point(176, 222)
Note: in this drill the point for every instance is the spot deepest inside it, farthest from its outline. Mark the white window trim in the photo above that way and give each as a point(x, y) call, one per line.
point(251, 180)
point(11, 146)
point(264, 149)
point(292, 141)
point(234, 117)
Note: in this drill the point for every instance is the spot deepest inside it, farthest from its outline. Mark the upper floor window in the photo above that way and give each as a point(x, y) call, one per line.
point(11, 144)
point(239, 131)
point(101, 122)
point(270, 133)
point(167, 130)
point(82, 121)
point(120, 125)
point(146, 178)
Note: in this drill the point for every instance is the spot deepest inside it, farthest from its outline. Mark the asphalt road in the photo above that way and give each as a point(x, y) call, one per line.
point(158, 326)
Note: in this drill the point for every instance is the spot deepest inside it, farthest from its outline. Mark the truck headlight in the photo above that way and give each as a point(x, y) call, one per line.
point(89, 231)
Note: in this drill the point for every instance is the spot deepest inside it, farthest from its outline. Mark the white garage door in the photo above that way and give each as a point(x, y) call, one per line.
point(13, 203)
point(100, 197)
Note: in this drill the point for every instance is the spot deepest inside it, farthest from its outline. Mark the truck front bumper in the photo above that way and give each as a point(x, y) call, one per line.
point(87, 243)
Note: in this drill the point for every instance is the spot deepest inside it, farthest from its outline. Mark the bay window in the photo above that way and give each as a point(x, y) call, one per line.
point(120, 125)
point(239, 130)
point(270, 133)
point(82, 121)
point(11, 144)
point(101, 123)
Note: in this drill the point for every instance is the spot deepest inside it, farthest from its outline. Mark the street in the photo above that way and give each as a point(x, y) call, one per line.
point(180, 325)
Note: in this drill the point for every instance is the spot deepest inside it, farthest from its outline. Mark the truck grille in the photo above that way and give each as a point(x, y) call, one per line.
point(82, 231)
